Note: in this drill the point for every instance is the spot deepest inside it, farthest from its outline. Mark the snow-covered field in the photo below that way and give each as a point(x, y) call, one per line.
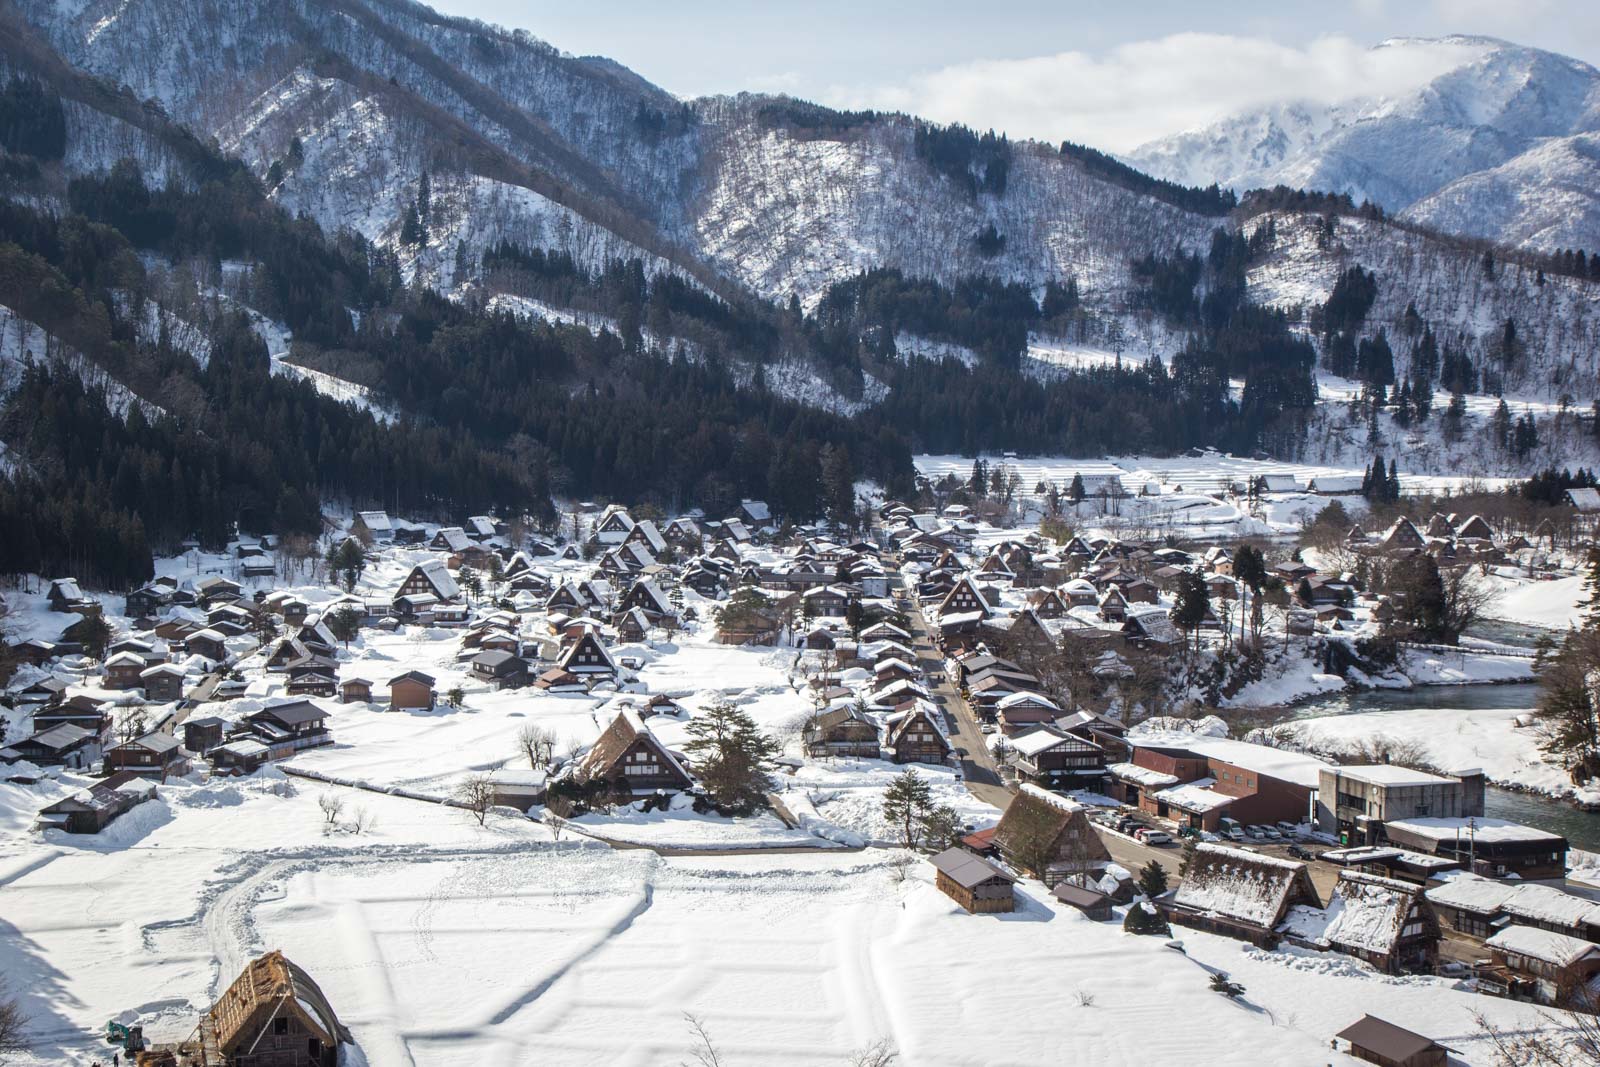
point(440, 943)
point(1189, 495)
point(1451, 738)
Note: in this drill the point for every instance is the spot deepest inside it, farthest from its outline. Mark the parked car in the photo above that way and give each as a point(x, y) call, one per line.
point(1291, 831)
point(1233, 833)
point(1272, 833)
point(1255, 833)
point(1154, 837)
point(1300, 852)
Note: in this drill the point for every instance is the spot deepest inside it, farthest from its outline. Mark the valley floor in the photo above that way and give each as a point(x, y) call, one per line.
point(441, 943)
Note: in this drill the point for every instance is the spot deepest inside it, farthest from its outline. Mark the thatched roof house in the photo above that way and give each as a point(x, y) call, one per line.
point(273, 1015)
point(1048, 836)
point(1239, 894)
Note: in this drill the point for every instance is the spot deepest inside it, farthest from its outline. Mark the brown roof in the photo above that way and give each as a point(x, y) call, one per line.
point(1386, 1039)
point(266, 987)
point(966, 870)
point(624, 730)
point(1079, 897)
point(1029, 815)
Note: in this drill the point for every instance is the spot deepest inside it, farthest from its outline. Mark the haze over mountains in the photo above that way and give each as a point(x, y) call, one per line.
point(1503, 146)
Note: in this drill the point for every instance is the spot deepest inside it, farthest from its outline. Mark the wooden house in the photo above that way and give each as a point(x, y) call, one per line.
point(202, 735)
point(1113, 605)
point(841, 732)
point(154, 754)
point(65, 595)
point(122, 671)
point(1048, 836)
point(1403, 536)
point(433, 579)
point(1059, 760)
point(648, 598)
point(162, 683)
point(587, 656)
point(91, 810)
point(1387, 923)
point(964, 598)
point(373, 525)
point(632, 625)
point(311, 680)
point(1540, 965)
point(916, 735)
point(208, 644)
point(62, 744)
point(500, 669)
point(412, 690)
point(1024, 710)
point(556, 680)
point(355, 690)
point(972, 882)
point(1093, 903)
point(273, 1015)
point(240, 755)
point(1373, 1040)
point(1239, 894)
point(630, 759)
point(290, 727)
point(47, 692)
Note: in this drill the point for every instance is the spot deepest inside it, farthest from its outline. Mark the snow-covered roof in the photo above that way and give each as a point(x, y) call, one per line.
point(1277, 763)
point(1040, 740)
point(1521, 900)
point(1132, 772)
point(1027, 696)
point(1368, 912)
point(1469, 829)
point(1387, 774)
point(376, 521)
point(1197, 797)
point(1244, 886)
point(1559, 950)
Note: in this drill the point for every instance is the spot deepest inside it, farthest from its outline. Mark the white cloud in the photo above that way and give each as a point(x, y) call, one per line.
point(1145, 89)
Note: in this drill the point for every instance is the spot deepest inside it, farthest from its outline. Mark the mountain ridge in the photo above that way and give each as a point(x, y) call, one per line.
point(1429, 154)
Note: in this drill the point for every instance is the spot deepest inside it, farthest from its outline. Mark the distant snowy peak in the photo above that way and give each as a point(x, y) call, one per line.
point(1491, 129)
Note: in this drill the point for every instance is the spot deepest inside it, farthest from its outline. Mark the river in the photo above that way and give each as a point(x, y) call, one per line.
point(1580, 828)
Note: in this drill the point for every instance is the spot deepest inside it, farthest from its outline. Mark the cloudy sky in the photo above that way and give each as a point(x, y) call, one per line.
point(1112, 75)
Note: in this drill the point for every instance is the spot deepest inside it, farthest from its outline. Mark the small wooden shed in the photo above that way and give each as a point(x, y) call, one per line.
point(1374, 1040)
point(974, 883)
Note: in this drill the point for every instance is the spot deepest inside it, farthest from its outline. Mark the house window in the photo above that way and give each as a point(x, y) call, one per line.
point(280, 1026)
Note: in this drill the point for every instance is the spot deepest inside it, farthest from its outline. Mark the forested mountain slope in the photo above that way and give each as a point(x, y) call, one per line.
point(356, 251)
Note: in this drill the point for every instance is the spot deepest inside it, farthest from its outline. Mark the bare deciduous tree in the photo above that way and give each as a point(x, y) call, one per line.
point(1568, 1039)
point(881, 1053)
point(132, 723)
point(332, 806)
point(476, 794)
point(703, 1052)
point(537, 743)
point(556, 823)
point(362, 819)
point(12, 1026)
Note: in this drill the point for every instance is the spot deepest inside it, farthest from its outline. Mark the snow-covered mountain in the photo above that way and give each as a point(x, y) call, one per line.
point(1501, 145)
point(340, 106)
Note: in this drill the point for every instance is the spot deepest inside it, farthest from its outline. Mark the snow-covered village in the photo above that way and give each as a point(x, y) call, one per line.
point(423, 793)
point(750, 535)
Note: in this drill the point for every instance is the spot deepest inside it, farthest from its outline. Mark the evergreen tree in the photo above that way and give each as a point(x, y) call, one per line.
point(906, 802)
point(730, 754)
point(1500, 425)
point(1153, 879)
